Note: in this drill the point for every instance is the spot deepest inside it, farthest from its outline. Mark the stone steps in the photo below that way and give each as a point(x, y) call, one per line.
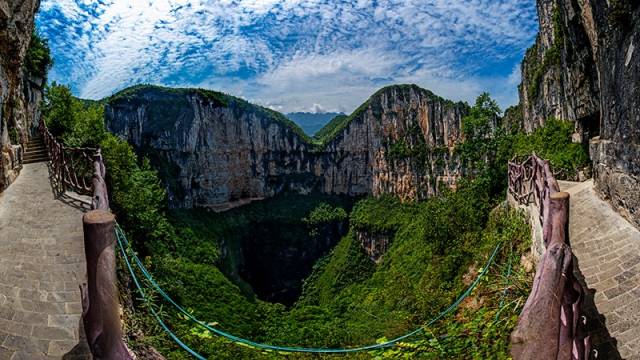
point(35, 152)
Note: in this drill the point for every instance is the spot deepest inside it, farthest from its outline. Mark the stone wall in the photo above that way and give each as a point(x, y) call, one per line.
point(19, 95)
point(532, 213)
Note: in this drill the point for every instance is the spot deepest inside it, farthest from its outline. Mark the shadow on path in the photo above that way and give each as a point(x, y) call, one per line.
point(76, 201)
point(603, 345)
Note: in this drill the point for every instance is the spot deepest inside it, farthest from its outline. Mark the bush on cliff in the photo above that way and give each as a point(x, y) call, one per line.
point(553, 142)
point(38, 60)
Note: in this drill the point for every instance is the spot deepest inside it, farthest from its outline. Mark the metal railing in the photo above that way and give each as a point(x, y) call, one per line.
point(551, 325)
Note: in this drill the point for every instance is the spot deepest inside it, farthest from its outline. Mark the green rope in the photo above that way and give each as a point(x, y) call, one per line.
point(506, 287)
point(153, 311)
point(124, 244)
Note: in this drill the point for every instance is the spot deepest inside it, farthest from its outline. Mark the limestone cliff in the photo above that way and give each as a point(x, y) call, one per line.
point(212, 150)
point(20, 92)
point(399, 142)
point(218, 151)
point(585, 67)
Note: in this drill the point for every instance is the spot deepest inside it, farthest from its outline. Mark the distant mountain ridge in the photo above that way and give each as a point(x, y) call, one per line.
point(311, 122)
point(218, 151)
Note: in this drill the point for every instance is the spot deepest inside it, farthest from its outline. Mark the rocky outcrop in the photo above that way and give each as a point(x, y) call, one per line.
point(399, 142)
point(559, 77)
point(218, 151)
point(20, 95)
point(585, 67)
point(375, 245)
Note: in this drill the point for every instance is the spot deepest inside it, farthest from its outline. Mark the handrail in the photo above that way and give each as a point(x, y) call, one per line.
point(80, 169)
point(551, 325)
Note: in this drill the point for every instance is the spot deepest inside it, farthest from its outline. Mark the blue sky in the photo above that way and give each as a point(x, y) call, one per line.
point(290, 55)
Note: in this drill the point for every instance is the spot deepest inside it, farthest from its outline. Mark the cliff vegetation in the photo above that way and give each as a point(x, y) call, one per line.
point(297, 270)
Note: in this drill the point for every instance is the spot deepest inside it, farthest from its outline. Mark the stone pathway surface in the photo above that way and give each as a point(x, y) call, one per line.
point(41, 267)
point(608, 250)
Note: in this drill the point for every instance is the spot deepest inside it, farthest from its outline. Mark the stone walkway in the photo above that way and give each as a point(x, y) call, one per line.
point(608, 250)
point(41, 267)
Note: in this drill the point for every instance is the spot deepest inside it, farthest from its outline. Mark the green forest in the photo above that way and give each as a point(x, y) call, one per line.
point(319, 288)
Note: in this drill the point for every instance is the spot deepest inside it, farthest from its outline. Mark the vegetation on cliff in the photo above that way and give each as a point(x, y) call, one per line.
point(553, 142)
point(167, 102)
point(490, 143)
point(209, 262)
point(536, 68)
point(38, 60)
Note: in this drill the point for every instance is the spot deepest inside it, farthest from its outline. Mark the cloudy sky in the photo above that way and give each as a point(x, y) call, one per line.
point(291, 55)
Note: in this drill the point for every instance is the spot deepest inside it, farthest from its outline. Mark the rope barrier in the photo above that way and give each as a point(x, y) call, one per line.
point(506, 287)
point(153, 311)
point(124, 245)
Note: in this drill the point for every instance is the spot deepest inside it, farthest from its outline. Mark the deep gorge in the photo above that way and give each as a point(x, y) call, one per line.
point(272, 245)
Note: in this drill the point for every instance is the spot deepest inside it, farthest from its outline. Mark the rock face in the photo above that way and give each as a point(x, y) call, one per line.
point(212, 150)
point(375, 245)
point(217, 151)
point(20, 95)
point(585, 67)
point(399, 142)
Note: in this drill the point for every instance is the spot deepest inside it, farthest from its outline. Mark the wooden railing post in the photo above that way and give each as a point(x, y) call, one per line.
point(559, 213)
point(101, 315)
point(550, 325)
point(100, 195)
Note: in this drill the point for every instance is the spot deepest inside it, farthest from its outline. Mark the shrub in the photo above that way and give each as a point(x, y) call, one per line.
point(553, 142)
point(14, 136)
point(38, 60)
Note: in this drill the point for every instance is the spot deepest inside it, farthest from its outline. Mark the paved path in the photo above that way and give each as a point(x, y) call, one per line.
point(41, 267)
point(608, 251)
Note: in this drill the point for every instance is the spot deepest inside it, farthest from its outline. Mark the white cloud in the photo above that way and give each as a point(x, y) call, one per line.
point(289, 54)
point(317, 108)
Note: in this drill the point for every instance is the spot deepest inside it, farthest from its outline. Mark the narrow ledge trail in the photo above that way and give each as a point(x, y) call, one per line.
point(608, 250)
point(41, 267)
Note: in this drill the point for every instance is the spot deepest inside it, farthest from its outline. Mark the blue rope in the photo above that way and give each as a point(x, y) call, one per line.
point(122, 241)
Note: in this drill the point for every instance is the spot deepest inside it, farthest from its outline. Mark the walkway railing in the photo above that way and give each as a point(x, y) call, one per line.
point(550, 325)
point(77, 169)
point(82, 170)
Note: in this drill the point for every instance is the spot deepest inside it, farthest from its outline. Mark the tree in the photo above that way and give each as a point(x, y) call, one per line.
point(58, 108)
point(79, 124)
point(487, 146)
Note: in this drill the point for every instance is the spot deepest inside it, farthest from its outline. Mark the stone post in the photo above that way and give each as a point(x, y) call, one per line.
point(101, 315)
